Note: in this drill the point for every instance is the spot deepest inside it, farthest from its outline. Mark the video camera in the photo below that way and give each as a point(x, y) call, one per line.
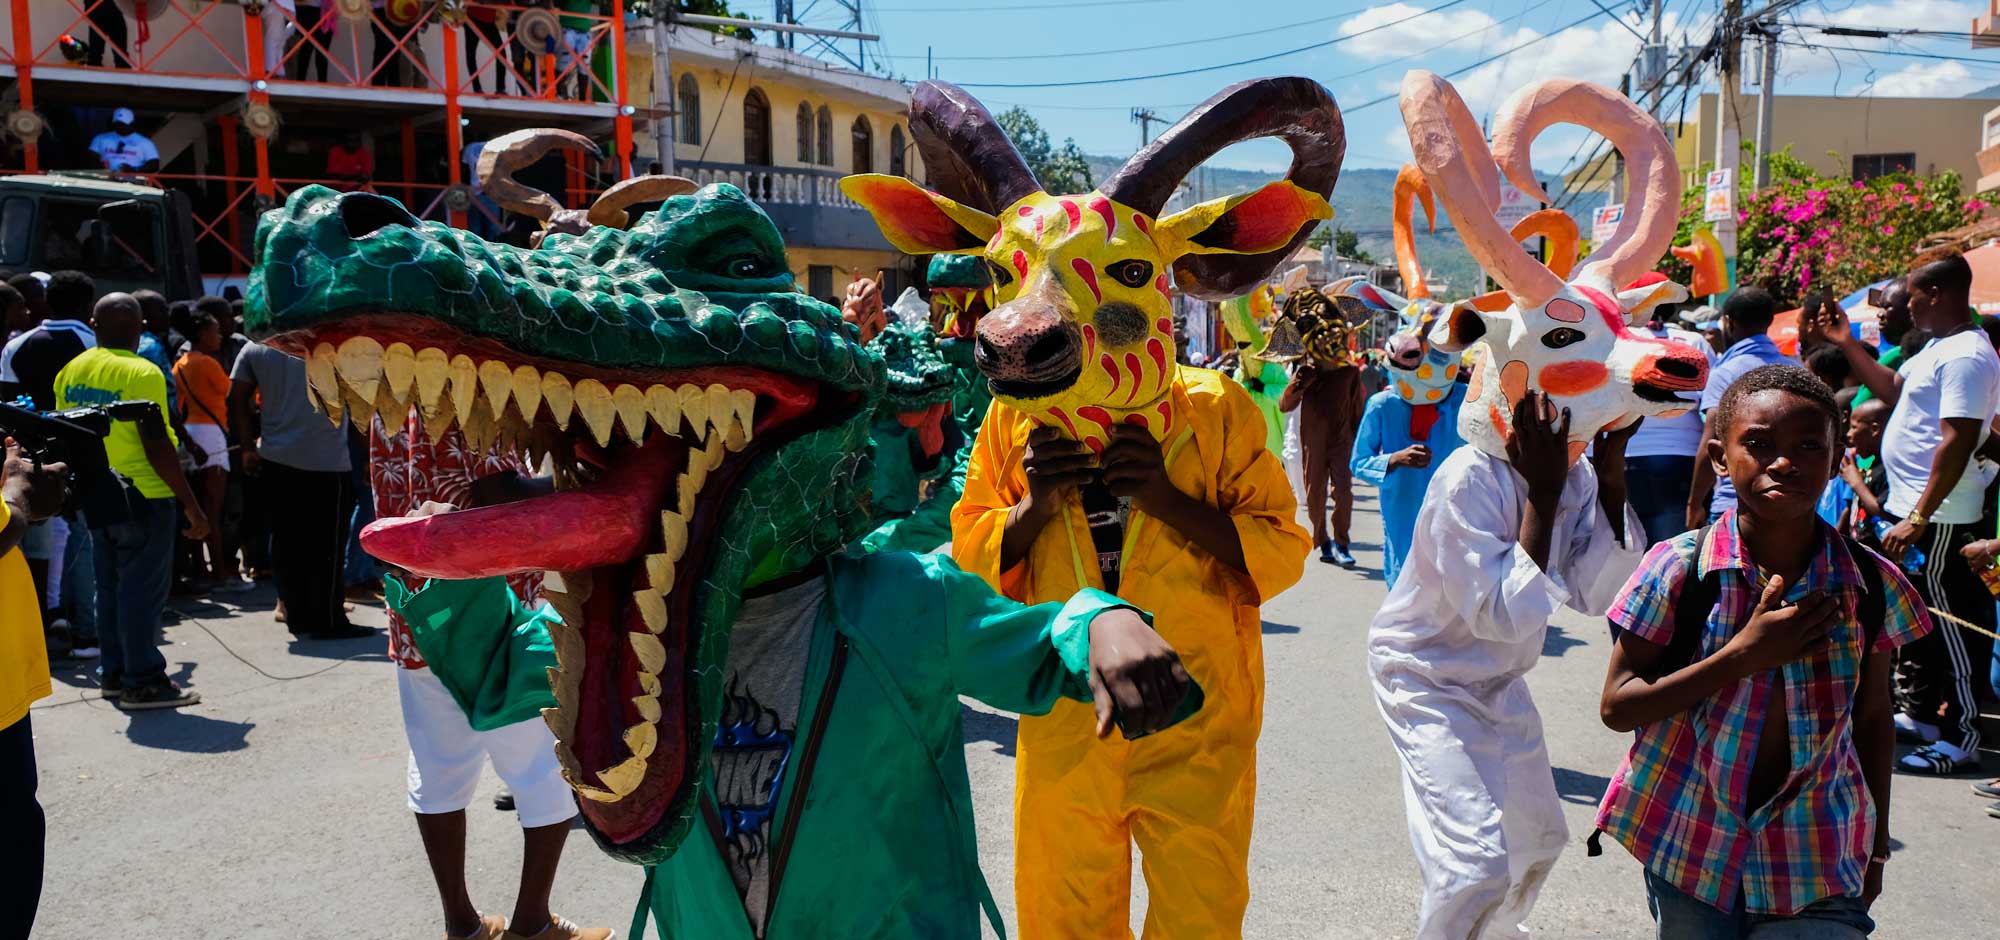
point(74, 438)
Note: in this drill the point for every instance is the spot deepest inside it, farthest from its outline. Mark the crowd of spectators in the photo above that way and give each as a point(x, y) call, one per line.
point(191, 504)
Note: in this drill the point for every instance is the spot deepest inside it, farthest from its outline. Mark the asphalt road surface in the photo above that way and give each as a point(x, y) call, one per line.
point(275, 808)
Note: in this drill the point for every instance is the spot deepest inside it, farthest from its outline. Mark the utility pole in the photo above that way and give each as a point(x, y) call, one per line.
point(1145, 118)
point(666, 110)
point(1729, 138)
point(1767, 78)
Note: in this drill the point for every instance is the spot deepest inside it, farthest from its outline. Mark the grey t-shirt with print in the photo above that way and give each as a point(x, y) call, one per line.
point(768, 648)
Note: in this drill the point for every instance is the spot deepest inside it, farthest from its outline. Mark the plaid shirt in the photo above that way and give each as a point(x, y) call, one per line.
point(405, 469)
point(1678, 801)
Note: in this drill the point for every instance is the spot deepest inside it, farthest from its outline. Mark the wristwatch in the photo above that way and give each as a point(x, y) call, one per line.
point(1917, 519)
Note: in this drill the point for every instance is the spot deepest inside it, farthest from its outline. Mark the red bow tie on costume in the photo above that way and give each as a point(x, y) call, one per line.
point(1422, 419)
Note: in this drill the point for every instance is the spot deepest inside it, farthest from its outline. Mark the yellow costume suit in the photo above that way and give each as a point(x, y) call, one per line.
point(1186, 795)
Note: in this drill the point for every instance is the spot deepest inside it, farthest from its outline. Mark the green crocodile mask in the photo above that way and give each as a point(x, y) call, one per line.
point(918, 395)
point(708, 425)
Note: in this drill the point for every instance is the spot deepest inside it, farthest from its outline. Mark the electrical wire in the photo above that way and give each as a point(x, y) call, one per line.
point(1372, 102)
point(1906, 53)
point(1490, 27)
point(1224, 65)
point(84, 699)
point(1149, 48)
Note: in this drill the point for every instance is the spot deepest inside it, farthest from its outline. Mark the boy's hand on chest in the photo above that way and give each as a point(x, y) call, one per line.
point(1780, 632)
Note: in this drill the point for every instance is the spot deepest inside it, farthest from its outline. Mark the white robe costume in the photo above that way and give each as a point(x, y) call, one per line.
point(1448, 652)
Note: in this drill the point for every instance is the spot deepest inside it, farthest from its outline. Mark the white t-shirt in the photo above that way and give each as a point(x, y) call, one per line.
point(1954, 377)
point(1673, 437)
point(123, 151)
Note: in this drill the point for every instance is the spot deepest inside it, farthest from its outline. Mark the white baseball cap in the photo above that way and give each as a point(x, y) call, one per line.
point(122, 116)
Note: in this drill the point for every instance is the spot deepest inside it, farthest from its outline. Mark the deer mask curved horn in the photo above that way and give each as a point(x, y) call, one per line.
point(1298, 111)
point(510, 152)
point(1451, 152)
point(1411, 188)
point(1654, 202)
point(609, 209)
point(967, 157)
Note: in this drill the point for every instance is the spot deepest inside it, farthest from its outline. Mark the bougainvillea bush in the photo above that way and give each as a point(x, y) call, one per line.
point(1807, 232)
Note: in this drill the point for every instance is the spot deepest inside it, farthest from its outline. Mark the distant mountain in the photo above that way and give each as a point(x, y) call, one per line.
point(1362, 203)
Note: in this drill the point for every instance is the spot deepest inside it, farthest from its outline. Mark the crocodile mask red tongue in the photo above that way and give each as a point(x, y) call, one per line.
point(603, 523)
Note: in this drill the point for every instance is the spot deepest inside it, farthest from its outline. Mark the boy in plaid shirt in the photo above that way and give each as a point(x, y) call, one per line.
point(1743, 821)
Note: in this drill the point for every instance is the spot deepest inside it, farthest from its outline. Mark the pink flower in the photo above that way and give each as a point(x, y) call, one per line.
point(1888, 230)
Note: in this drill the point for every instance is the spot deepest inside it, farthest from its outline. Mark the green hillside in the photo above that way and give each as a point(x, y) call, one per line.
point(1361, 203)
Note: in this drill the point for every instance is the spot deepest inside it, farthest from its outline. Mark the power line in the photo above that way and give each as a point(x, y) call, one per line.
point(1149, 48)
point(1225, 65)
point(1906, 53)
point(1001, 9)
point(1486, 61)
point(1490, 27)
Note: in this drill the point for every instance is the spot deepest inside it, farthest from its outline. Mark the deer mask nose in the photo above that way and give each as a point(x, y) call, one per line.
point(1028, 348)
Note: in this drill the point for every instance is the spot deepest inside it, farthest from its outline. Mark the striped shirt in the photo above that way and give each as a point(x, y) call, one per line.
point(1678, 801)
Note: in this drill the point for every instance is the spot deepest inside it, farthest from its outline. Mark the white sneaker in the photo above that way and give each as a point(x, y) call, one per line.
point(1911, 731)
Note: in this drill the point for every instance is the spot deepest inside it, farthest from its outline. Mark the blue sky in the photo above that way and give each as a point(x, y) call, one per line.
point(978, 43)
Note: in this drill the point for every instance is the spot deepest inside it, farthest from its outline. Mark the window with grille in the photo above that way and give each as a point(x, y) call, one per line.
point(1871, 165)
point(690, 109)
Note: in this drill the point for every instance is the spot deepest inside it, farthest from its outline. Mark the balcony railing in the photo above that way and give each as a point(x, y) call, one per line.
point(209, 40)
point(774, 185)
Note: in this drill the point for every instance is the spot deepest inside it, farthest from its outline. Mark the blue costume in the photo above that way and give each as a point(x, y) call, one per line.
point(1420, 406)
point(1386, 427)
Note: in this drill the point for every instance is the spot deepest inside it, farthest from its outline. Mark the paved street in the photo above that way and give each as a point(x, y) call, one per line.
point(275, 808)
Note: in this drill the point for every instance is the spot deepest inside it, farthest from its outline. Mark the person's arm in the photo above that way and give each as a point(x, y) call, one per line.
point(1875, 745)
point(1539, 451)
point(1295, 390)
point(160, 453)
point(1862, 494)
point(1608, 460)
point(243, 418)
point(1369, 463)
point(1703, 484)
point(1636, 693)
point(28, 494)
point(1054, 466)
point(1831, 326)
point(1135, 466)
point(1093, 648)
point(1954, 453)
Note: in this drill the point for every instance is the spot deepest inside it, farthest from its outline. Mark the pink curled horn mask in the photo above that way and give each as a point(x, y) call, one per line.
point(1568, 338)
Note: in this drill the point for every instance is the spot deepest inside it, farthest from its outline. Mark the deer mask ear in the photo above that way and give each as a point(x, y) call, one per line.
point(1639, 301)
point(1250, 224)
point(916, 220)
point(1457, 327)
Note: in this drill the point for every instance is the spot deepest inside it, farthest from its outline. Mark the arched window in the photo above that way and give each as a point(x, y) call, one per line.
point(756, 128)
point(825, 136)
point(805, 121)
point(690, 109)
point(896, 165)
point(864, 145)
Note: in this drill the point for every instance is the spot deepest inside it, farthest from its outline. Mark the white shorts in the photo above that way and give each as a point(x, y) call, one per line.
point(446, 756)
point(213, 443)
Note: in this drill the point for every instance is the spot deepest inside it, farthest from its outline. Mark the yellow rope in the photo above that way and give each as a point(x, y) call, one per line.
point(1964, 623)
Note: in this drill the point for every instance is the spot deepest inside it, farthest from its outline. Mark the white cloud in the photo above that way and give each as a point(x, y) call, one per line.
point(1457, 29)
point(1928, 80)
point(1396, 144)
point(1599, 53)
point(1902, 13)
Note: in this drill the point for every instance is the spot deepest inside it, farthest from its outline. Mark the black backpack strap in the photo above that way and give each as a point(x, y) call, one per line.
point(1873, 607)
point(1692, 605)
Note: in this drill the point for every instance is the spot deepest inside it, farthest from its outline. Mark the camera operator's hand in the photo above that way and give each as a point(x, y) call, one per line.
point(34, 492)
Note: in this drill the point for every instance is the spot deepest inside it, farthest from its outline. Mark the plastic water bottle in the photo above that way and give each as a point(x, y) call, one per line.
point(1913, 559)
